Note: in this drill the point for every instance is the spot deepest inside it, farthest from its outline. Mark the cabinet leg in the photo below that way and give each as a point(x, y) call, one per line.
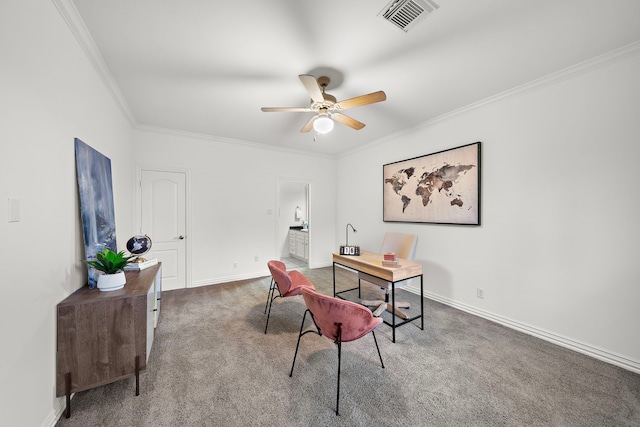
point(67, 392)
point(137, 375)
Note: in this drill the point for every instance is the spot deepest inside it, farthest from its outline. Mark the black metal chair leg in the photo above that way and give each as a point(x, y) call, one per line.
point(269, 314)
point(339, 342)
point(377, 348)
point(269, 295)
point(298, 345)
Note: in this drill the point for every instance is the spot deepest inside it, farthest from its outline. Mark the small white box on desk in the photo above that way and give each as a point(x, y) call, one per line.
point(137, 266)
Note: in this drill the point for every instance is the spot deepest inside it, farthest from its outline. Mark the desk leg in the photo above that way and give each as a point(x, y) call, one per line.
point(393, 311)
point(421, 303)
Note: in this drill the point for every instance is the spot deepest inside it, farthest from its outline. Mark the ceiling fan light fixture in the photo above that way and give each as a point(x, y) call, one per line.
point(323, 124)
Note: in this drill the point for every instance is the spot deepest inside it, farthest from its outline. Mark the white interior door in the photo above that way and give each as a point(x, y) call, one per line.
point(163, 219)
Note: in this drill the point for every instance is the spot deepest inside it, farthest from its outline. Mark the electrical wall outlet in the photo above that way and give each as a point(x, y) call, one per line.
point(256, 258)
point(235, 265)
point(480, 293)
point(14, 210)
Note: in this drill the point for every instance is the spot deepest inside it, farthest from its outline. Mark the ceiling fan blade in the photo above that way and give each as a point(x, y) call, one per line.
point(286, 109)
point(309, 125)
point(346, 120)
point(359, 101)
point(311, 84)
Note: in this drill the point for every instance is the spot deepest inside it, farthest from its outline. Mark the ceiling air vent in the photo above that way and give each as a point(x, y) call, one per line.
point(405, 14)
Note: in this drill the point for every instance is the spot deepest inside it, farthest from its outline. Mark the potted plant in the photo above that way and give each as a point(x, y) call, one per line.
point(112, 265)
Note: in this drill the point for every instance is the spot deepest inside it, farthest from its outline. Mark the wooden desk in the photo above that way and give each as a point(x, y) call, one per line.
point(371, 263)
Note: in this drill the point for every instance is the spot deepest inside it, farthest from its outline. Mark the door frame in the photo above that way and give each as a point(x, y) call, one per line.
point(307, 183)
point(187, 211)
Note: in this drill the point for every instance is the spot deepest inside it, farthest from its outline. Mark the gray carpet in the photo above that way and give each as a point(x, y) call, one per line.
point(212, 365)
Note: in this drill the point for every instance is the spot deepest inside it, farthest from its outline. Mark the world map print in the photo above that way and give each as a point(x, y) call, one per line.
point(438, 188)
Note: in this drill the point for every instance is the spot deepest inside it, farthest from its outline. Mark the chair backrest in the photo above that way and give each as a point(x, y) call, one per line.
point(404, 245)
point(357, 320)
point(280, 276)
point(278, 264)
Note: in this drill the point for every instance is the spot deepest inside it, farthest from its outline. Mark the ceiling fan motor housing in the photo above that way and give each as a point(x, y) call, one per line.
point(323, 81)
point(329, 100)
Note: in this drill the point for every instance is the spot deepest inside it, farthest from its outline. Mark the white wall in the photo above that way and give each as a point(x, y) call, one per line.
point(557, 250)
point(50, 95)
point(233, 189)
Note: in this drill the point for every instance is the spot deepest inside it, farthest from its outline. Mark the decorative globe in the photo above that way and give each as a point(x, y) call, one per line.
point(139, 245)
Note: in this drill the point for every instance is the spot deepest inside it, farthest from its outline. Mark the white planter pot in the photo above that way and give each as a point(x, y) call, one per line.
point(111, 282)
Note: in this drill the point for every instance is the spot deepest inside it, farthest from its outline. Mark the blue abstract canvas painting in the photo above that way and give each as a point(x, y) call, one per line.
point(96, 203)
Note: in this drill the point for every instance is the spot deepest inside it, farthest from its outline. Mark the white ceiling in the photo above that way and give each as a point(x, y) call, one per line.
point(207, 66)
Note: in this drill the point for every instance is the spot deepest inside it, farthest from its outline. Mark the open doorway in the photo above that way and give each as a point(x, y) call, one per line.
point(292, 223)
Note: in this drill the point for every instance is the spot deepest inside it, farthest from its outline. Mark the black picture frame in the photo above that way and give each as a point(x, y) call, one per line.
point(436, 188)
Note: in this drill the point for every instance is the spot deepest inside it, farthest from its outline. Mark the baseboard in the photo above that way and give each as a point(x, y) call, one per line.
point(247, 276)
point(218, 280)
point(56, 412)
point(320, 264)
point(595, 352)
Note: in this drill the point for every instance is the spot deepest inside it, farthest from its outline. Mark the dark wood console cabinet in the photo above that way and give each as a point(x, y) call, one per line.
point(106, 336)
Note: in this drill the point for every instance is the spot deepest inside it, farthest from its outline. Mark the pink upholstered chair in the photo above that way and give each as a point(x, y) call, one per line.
point(286, 284)
point(338, 320)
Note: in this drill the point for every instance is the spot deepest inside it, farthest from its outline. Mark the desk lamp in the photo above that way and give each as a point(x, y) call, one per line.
point(346, 249)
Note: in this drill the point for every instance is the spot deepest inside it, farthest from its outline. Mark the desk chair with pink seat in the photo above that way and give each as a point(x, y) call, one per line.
point(287, 284)
point(338, 320)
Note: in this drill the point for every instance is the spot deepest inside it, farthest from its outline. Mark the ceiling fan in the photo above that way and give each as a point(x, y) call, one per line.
point(326, 107)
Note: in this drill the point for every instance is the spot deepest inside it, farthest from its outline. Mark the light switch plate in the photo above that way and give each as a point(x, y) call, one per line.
point(14, 210)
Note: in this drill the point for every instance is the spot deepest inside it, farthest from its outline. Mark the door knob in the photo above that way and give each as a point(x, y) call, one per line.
point(181, 237)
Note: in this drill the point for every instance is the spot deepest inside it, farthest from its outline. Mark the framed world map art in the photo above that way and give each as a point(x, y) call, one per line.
point(439, 188)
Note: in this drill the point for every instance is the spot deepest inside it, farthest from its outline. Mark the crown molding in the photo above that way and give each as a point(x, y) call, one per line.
point(612, 57)
point(584, 67)
point(71, 16)
point(208, 137)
